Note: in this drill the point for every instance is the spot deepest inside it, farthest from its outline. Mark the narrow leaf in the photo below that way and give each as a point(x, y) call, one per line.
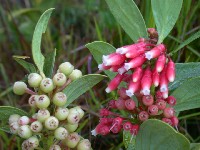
point(37, 37)
point(98, 49)
point(49, 63)
point(165, 13)
point(129, 17)
point(157, 135)
point(80, 86)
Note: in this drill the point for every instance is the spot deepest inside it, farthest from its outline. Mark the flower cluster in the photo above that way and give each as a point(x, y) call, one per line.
point(147, 70)
point(51, 117)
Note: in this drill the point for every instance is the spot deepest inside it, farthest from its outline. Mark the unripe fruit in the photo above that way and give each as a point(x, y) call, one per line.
point(168, 112)
point(143, 115)
point(34, 116)
point(42, 115)
point(60, 133)
point(14, 127)
point(129, 104)
point(153, 110)
point(122, 93)
point(120, 104)
point(25, 132)
point(66, 68)
point(72, 140)
point(33, 142)
point(167, 120)
point(24, 120)
point(34, 80)
point(42, 101)
point(19, 88)
point(55, 147)
point(75, 74)
point(51, 123)
point(147, 100)
point(59, 79)
point(25, 145)
point(161, 104)
point(79, 110)
point(59, 99)
point(46, 85)
point(13, 118)
point(71, 127)
point(61, 113)
point(73, 118)
point(171, 100)
point(127, 126)
point(32, 100)
point(84, 145)
point(36, 126)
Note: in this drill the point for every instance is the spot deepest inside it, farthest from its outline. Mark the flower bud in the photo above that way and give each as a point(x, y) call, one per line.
point(60, 99)
point(163, 81)
point(34, 80)
point(153, 110)
point(14, 127)
point(122, 93)
point(33, 142)
point(137, 75)
point(129, 104)
point(13, 118)
point(161, 104)
point(127, 126)
point(167, 120)
point(61, 113)
point(120, 104)
point(116, 129)
point(46, 85)
point(143, 116)
point(79, 110)
point(113, 59)
point(59, 79)
point(55, 147)
point(42, 101)
point(155, 52)
point(51, 123)
point(42, 115)
point(66, 68)
point(75, 74)
point(60, 133)
point(170, 72)
point(71, 127)
point(111, 104)
point(147, 100)
point(168, 112)
point(155, 78)
point(134, 129)
point(175, 121)
point(24, 120)
point(103, 67)
point(19, 88)
point(160, 63)
point(132, 88)
point(72, 140)
point(73, 118)
point(146, 81)
point(32, 100)
point(84, 145)
point(36, 126)
point(24, 131)
point(171, 100)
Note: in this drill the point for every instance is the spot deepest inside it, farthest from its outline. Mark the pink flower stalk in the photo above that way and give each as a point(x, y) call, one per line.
point(160, 63)
point(165, 94)
point(136, 62)
point(155, 52)
point(146, 81)
point(113, 59)
point(170, 72)
point(115, 68)
point(163, 81)
point(137, 75)
point(132, 88)
point(103, 67)
point(155, 78)
point(114, 83)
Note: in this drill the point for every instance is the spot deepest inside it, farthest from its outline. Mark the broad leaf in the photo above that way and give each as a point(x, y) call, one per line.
point(165, 13)
point(185, 71)
point(28, 66)
point(157, 135)
point(5, 129)
point(195, 146)
point(80, 86)
point(129, 140)
point(37, 37)
point(49, 63)
point(129, 17)
point(98, 49)
point(187, 95)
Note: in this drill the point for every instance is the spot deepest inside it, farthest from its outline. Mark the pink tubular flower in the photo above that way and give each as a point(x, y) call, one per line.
point(114, 83)
point(165, 94)
point(136, 52)
point(103, 67)
point(155, 52)
point(132, 88)
point(160, 63)
point(115, 68)
point(137, 75)
point(170, 72)
point(113, 59)
point(101, 129)
point(146, 81)
point(136, 62)
point(155, 78)
point(163, 81)
point(121, 70)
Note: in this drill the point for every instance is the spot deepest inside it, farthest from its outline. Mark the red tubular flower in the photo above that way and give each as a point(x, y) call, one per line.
point(115, 68)
point(113, 59)
point(160, 63)
point(116, 129)
point(165, 94)
point(114, 83)
point(155, 52)
point(136, 52)
point(102, 129)
point(137, 75)
point(155, 78)
point(163, 81)
point(132, 88)
point(170, 72)
point(153, 110)
point(146, 81)
point(103, 67)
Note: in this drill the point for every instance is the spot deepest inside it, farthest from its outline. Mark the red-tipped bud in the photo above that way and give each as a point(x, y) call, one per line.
point(136, 52)
point(133, 47)
point(130, 104)
point(170, 73)
point(114, 83)
point(147, 100)
point(117, 121)
point(104, 112)
point(161, 104)
point(155, 52)
point(103, 67)
point(127, 126)
point(155, 78)
point(113, 59)
point(168, 112)
point(175, 121)
point(160, 63)
point(132, 88)
point(165, 94)
point(120, 104)
point(101, 129)
point(163, 81)
point(111, 104)
point(167, 120)
point(146, 81)
point(153, 110)
point(122, 93)
point(116, 129)
point(134, 130)
point(171, 100)
point(137, 75)
point(143, 115)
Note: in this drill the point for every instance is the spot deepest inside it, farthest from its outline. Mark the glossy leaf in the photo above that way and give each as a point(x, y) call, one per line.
point(165, 13)
point(157, 135)
point(80, 86)
point(37, 37)
point(129, 17)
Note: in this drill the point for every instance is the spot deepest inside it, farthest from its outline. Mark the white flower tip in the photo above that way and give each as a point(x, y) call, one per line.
point(127, 66)
point(163, 88)
point(165, 95)
point(121, 70)
point(100, 66)
point(107, 62)
point(107, 90)
point(104, 58)
point(129, 93)
point(156, 84)
point(121, 50)
point(148, 55)
point(159, 69)
point(146, 91)
point(94, 133)
point(135, 79)
point(171, 79)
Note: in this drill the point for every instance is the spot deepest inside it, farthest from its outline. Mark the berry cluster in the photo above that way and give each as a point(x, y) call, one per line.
point(147, 70)
point(51, 117)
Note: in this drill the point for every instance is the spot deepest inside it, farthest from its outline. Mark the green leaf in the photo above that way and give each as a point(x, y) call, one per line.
point(37, 37)
point(185, 71)
point(186, 42)
point(28, 66)
point(157, 135)
point(80, 86)
point(165, 13)
point(49, 63)
point(129, 140)
point(129, 17)
point(187, 95)
point(6, 111)
point(98, 49)
point(5, 129)
point(195, 146)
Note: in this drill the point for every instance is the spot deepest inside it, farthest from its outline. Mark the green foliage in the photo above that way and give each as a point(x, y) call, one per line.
point(129, 140)
point(194, 146)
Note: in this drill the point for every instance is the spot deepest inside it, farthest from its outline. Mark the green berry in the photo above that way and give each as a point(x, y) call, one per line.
point(73, 118)
point(84, 145)
point(13, 118)
point(51, 123)
point(46, 85)
point(42, 115)
point(71, 127)
point(75, 74)
point(25, 132)
point(55, 147)
point(19, 88)
point(42, 101)
point(59, 79)
point(66, 68)
point(79, 110)
point(34, 80)
point(33, 142)
point(36, 126)
point(72, 140)
point(60, 133)
point(14, 127)
point(61, 113)
point(32, 100)
point(60, 99)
